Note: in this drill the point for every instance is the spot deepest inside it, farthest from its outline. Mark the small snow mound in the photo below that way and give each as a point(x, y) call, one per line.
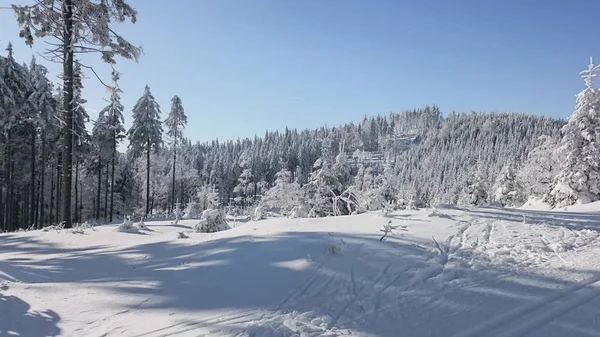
point(127, 227)
point(212, 220)
point(293, 324)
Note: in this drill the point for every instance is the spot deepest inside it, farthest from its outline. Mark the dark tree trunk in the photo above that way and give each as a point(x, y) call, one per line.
point(173, 182)
point(32, 189)
point(106, 195)
point(58, 183)
point(67, 169)
point(112, 186)
point(98, 191)
point(148, 180)
point(76, 190)
point(7, 184)
point(52, 187)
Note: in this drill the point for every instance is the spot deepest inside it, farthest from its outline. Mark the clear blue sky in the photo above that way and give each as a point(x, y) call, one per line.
point(242, 67)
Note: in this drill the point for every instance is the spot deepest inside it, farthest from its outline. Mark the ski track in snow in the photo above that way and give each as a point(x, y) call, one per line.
point(444, 273)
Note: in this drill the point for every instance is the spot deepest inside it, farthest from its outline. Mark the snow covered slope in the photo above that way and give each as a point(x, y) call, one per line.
point(450, 272)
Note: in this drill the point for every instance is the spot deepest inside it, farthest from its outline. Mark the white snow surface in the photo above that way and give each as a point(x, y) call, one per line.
point(444, 272)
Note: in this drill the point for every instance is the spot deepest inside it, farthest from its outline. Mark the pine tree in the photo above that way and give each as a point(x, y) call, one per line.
point(284, 195)
point(145, 135)
point(175, 123)
point(508, 191)
point(115, 120)
point(579, 177)
point(79, 27)
point(45, 104)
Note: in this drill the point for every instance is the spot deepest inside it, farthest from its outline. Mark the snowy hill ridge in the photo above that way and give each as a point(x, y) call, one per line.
point(444, 272)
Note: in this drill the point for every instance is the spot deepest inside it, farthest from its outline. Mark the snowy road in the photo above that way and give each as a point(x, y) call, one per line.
point(485, 272)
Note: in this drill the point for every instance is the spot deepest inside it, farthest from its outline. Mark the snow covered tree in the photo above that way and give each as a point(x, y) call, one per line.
point(540, 167)
point(475, 191)
point(45, 104)
point(113, 114)
point(508, 191)
point(145, 135)
point(579, 177)
point(78, 26)
point(175, 123)
point(284, 195)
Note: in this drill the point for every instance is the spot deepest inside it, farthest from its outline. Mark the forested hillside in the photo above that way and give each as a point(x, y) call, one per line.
point(413, 156)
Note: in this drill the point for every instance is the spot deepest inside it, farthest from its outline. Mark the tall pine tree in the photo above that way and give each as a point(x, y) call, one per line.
point(175, 122)
point(145, 135)
point(579, 177)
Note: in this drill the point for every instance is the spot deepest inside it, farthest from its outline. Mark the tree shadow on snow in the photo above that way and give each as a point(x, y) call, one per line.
point(17, 319)
point(315, 280)
point(572, 220)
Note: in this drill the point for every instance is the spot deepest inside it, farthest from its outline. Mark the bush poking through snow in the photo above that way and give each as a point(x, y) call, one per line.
point(443, 249)
point(436, 213)
point(300, 211)
point(259, 213)
point(142, 226)
point(387, 228)
point(212, 221)
point(333, 250)
point(127, 227)
point(57, 228)
point(182, 235)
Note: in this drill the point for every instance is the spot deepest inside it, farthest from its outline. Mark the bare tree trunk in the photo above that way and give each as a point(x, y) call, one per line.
point(67, 169)
point(76, 189)
point(32, 190)
point(11, 192)
point(7, 184)
point(58, 183)
point(52, 187)
point(174, 162)
point(148, 179)
point(98, 191)
point(41, 202)
point(106, 195)
point(112, 185)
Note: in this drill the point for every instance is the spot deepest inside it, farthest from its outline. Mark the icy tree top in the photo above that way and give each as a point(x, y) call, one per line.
point(590, 73)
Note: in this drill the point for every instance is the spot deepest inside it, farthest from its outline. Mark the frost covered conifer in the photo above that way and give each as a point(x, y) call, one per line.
point(540, 167)
point(284, 195)
point(145, 135)
point(579, 177)
point(78, 27)
point(175, 122)
point(508, 191)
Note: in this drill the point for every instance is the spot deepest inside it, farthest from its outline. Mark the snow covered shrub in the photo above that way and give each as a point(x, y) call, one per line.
point(387, 228)
point(333, 250)
point(177, 212)
point(142, 226)
point(192, 210)
point(300, 211)
point(127, 227)
point(80, 228)
point(212, 220)
point(57, 228)
point(436, 213)
point(259, 213)
point(284, 195)
point(182, 235)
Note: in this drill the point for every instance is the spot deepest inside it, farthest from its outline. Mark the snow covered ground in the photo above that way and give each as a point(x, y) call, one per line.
point(450, 272)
